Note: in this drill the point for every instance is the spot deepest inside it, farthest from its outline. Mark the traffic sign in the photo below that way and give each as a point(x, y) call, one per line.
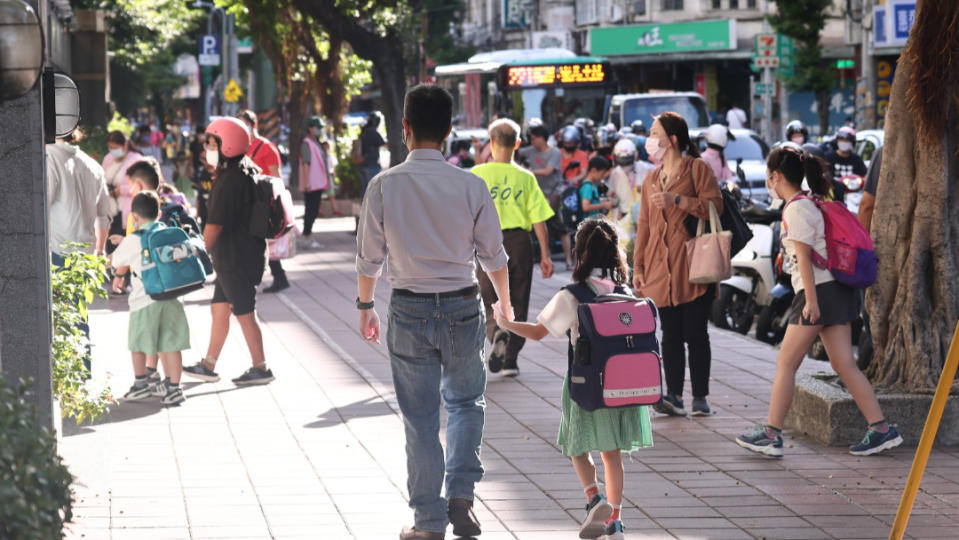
point(232, 92)
point(209, 50)
point(765, 88)
point(244, 46)
point(786, 55)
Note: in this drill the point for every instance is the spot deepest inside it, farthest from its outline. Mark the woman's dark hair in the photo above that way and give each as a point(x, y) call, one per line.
point(795, 164)
point(597, 247)
point(675, 125)
point(117, 137)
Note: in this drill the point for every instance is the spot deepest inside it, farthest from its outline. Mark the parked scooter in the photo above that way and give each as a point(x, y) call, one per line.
point(748, 290)
point(774, 318)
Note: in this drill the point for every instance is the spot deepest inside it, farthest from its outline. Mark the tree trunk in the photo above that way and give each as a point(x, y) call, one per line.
point(822, 109)
point(386, 53)
point(914, 304)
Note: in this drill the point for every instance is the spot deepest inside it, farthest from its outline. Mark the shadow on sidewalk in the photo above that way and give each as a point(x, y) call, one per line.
point(367, 408)
point(115, 413)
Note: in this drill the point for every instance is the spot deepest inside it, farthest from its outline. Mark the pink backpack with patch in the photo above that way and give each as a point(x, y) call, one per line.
point(851, 257)
point(615, 361)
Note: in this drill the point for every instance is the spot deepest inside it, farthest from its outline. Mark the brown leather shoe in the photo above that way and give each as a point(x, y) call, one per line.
point(412, 533)
point(463, 519)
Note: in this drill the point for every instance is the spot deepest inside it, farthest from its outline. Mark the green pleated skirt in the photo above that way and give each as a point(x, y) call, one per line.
point(581, 431)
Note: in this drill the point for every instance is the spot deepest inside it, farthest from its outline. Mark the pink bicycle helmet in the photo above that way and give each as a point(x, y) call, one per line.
point(234, 136)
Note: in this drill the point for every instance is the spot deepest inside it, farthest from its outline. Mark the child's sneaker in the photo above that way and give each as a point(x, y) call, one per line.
point(597, 512)
point(761, 442)
point(137, 392)
point(701, 407)
point(153, 377)
point(875, 442)
point(199, 371)
point(497, 351)
point(174, 396)
point(614, 531)
point(254, 376)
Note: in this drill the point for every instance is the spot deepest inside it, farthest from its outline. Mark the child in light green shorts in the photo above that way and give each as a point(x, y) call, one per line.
point(157, 327)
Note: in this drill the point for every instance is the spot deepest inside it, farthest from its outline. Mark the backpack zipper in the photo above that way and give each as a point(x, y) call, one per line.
point(629, 342)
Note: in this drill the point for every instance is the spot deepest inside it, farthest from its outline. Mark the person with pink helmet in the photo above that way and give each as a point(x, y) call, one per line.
point(238, 256)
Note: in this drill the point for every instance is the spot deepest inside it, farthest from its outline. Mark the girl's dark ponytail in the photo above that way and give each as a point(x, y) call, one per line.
point(817, 175)
point(597, 247)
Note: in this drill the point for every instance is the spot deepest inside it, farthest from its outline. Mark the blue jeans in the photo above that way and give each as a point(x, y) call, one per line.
point(368, 172)
point(436, 350)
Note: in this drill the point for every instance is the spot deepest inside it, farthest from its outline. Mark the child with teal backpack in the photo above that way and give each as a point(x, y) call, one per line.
point(157, 327)
point(610, 431)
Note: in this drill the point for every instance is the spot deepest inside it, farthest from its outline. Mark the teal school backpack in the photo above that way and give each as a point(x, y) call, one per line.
point(170, 265)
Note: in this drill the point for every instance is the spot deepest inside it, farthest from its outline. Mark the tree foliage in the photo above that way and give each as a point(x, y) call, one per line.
point(145, 37)
point(804, 21)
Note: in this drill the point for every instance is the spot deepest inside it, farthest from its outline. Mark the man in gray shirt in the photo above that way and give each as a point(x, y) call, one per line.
point(545, 162)
point(433, 220)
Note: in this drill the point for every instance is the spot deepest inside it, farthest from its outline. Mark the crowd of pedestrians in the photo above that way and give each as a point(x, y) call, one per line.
point(459, 258)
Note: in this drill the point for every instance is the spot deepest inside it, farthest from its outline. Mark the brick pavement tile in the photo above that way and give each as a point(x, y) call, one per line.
point(230, 531)
point(695, 523)
point(754, 511)
point(827, 510)
point(681, 511)
point(797, 533)
point(749, 500)
point(150, 534)
point(708, 534)
point(770, 522)
point(858, 532)
point(928, 531)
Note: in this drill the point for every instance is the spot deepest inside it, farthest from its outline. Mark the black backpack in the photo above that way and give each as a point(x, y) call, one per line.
point(571, 209)
point(731, 219)
point(268, 217)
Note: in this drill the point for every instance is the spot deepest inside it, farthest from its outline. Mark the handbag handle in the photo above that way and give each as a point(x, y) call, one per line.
point(715, 225)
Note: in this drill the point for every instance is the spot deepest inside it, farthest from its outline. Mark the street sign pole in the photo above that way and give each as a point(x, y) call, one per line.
point(767, 106)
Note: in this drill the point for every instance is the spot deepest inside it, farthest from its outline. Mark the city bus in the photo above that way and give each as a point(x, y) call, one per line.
point(554, 85)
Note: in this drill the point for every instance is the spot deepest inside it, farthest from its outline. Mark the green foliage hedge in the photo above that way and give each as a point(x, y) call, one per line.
point(35, 498)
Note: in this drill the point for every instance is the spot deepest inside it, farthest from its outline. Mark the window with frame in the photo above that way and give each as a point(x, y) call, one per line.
point(717, 4)
point(750, 4)
point(733, 4)
point(587, 12)
point(672, 5)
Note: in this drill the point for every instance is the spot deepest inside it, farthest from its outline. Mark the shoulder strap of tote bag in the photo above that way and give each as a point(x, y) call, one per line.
point(715, 225)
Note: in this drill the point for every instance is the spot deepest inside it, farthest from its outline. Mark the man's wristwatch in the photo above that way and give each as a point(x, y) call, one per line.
point(363, 305)
point(676, 200)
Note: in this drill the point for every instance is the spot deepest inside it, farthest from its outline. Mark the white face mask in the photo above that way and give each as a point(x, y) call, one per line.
point(798, 139)
point(655, 151)
point(213, 157)
point(117, 153)
point(844, 146)
point(772, 192)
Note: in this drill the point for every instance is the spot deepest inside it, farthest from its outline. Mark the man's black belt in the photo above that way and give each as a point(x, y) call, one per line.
point(515, 229)
point(470, 291)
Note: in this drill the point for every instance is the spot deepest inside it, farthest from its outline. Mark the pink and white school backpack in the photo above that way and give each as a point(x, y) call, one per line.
point(615, 361)
point(851, 257)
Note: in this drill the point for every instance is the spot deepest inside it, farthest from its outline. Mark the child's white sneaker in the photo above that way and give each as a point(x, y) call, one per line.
point(136, 393)
point(174, 396)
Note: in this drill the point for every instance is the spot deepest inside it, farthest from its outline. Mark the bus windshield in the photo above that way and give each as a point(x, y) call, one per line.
point(689, 107)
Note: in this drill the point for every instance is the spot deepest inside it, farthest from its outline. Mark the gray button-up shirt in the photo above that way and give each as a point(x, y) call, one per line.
point(431, 217)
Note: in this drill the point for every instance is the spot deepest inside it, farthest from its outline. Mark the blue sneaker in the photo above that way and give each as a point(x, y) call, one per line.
point(597, 512)
point(759, 441)
point(875, 442)
point(614, 531)
point(671, 406)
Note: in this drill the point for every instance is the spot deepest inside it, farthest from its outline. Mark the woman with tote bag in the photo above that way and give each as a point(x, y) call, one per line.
point(682, 185)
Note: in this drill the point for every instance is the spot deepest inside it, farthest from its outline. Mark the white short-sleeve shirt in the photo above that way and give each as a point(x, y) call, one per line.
point(560, 314)
point(804, 223)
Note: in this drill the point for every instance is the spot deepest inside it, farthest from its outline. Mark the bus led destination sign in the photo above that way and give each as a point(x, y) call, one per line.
point(547, 75)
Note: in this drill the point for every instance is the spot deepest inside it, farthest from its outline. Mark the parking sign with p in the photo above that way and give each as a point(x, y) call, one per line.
point(209, 50)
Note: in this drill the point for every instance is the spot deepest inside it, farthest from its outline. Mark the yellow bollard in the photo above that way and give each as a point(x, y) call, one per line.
point(928, 436)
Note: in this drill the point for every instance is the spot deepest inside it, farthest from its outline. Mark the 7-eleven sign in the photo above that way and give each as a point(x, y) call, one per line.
point(767, 45)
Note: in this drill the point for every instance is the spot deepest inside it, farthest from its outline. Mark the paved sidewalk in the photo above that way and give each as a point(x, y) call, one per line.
point(319, 453)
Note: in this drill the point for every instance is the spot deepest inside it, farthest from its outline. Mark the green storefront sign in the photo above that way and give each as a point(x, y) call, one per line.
point(663, 38)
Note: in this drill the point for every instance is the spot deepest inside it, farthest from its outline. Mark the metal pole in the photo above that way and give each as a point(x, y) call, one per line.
point(928, 437)
point(767, 106)
point(868, 63)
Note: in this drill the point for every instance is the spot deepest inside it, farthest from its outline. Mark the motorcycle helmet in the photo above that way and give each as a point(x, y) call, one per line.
point(624, 152)
point(233, 134)
point(815, 150)
point(638, 127)
point(794, 127)
point(718, 136)
point(570, 135)
point(606, 136)
point(846, 133)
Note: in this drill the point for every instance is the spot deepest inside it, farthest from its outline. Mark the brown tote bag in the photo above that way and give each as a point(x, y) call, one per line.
point(708, 253)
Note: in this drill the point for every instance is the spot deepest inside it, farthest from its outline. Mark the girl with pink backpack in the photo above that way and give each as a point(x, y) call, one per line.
point(610, 431)
point(824, 305)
